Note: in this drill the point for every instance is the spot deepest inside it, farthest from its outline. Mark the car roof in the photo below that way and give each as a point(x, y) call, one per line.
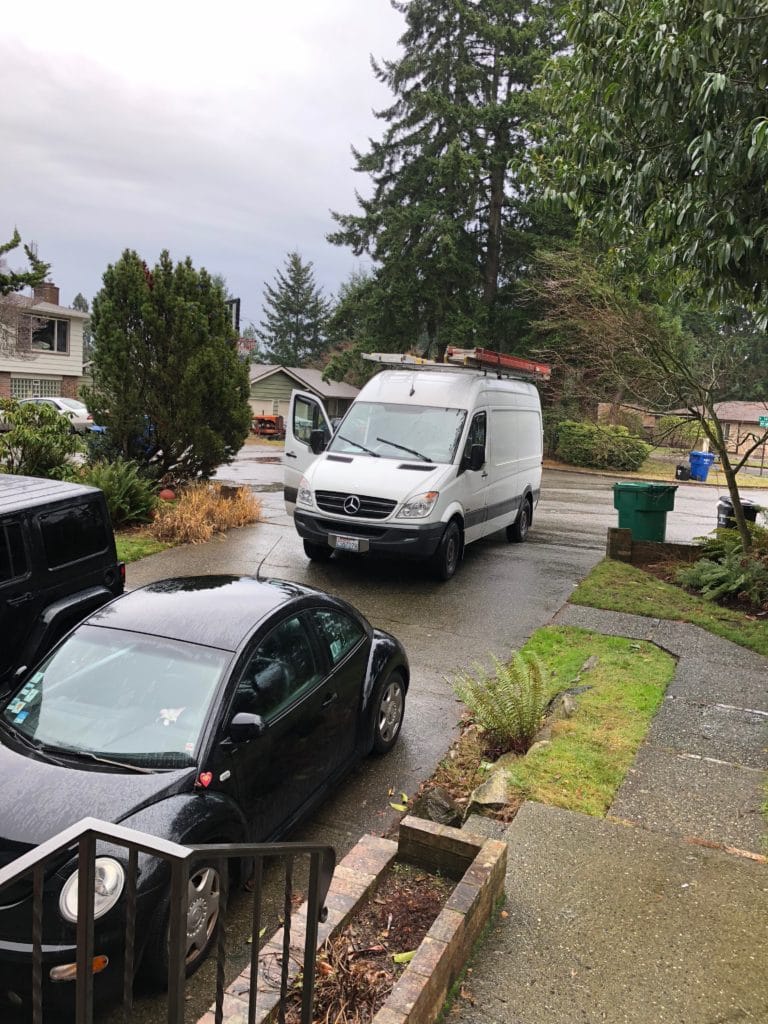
point(23, 492)
point(215, 611)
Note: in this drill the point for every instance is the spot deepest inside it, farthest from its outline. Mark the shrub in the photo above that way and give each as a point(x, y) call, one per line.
point(678, 432)
point(725, 571)
point(599, 446)
point(205, 509)
point(509, 704)
point(35, 440)
point(130, 497)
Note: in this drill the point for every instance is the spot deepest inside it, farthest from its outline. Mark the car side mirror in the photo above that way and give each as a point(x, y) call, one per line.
point(317, 441)
point(246, 726)
point(476, 457)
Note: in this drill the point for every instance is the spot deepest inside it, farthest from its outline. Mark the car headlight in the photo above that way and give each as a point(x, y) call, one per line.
point(418, 507)
point(304, 495)
point(108, 884)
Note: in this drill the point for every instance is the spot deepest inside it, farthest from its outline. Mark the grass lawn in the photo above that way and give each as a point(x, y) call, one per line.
point(619, 587)
point(137, 543)
point(588, 756)
point(657, 467)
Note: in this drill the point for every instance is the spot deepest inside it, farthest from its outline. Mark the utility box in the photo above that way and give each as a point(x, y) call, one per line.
point(643, 508)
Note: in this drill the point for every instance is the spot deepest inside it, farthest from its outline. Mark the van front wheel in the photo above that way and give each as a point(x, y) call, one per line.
point(518, 531)
point(445, 561)
point(317, 552)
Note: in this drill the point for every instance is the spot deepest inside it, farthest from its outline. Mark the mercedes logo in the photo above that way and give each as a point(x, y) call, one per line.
point(352, 505)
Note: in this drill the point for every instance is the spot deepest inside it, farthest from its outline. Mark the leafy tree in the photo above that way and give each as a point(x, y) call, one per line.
point(640, 349)
point(81, 304)
point(446, 222)
point(167, 382)
point(36, 440)
point(293, 331)
point(15, 322)
point(661, 114)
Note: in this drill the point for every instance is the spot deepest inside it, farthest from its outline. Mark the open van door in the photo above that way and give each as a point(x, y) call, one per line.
point(305, 414)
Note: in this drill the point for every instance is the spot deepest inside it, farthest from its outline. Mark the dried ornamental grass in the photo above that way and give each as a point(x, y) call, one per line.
point(205, 509)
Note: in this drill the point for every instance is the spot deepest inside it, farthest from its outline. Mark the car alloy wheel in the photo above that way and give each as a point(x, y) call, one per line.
point(389, 714)
point(204, 901)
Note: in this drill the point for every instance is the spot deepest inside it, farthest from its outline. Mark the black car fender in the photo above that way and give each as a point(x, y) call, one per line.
point(385, 656)
point(61, 616)
point(187, 819)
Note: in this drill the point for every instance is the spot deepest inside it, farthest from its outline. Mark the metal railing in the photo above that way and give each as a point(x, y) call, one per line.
point(81, 840)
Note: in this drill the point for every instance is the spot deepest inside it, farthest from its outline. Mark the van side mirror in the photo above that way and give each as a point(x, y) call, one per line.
point(476, 457)
point(317, 441)
point(245, 727)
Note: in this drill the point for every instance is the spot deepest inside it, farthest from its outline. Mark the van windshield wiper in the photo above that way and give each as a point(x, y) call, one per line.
point(362, 447)
point(411, 451)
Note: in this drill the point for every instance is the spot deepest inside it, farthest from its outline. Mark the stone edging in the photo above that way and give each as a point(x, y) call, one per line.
point(478, 863)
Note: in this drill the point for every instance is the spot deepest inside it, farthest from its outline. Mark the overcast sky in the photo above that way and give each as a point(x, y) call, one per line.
point(220, 130)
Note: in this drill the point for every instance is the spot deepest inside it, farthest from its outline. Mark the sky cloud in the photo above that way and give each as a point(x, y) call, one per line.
point(221, 131)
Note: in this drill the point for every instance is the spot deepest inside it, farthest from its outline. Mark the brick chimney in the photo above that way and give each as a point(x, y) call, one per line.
point(46, 292)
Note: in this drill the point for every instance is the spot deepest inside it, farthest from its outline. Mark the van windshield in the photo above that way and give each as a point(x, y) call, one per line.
point(392, 431)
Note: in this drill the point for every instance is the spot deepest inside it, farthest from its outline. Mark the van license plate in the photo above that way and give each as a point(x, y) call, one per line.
point(347, 544)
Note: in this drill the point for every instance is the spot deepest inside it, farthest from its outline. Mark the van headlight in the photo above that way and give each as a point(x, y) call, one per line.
point(108, 884)
point(304, 494)
point(418, 507)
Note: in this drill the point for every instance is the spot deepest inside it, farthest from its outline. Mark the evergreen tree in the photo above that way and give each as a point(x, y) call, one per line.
point(81, 304)
point(14, 280)
point(167, 382)
point(443, 223)
point(293, 331)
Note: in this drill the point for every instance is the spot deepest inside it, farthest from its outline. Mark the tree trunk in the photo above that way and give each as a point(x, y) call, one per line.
point(714, 431)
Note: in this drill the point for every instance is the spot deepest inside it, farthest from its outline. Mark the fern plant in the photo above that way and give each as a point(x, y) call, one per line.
point(130, 497)
point(510, 702)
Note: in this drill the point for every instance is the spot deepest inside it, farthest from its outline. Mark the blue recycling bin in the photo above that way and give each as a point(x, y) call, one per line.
point(700, 463)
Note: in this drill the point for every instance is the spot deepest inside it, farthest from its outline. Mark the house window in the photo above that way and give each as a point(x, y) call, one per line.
point(50, 336)
point(275, 408)
point(35, 387)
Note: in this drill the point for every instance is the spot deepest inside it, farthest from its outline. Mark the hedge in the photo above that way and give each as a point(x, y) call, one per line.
point(599, 446)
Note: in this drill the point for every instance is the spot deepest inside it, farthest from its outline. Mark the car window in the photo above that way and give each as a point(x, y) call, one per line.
point(340, 632)
point(476, 435)
point(13, 556)
point(282, 667)
point(306, 418)
point(120, 694)
point(72, 533)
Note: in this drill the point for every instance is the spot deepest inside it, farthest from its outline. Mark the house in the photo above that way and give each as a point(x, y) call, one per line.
point(41, 351)
point(271, 388)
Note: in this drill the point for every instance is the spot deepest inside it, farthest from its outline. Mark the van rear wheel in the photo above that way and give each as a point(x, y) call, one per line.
point(445, 560)
point(518, 531)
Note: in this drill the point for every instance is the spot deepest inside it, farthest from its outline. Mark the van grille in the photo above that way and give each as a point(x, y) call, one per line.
point(369, 508)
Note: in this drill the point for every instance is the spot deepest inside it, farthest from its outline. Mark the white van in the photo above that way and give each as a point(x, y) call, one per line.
point(424, 462)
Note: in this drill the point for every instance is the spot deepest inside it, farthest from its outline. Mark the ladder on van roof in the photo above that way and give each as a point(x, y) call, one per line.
point(482, 359)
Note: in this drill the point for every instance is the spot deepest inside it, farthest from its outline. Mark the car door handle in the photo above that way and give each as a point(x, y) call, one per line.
point(14, 602)
point(290, 455)
point(329, 699)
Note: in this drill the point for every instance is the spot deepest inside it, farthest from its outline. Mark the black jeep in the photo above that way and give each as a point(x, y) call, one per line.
point(57, 564)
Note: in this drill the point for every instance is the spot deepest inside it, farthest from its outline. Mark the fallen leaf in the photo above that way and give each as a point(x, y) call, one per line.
point(404, 958)
point(398, 807)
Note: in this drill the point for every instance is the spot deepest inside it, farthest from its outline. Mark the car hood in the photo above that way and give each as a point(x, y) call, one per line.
point(40, 799)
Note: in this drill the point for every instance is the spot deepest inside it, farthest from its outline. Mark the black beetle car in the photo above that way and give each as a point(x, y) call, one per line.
point(208, 709)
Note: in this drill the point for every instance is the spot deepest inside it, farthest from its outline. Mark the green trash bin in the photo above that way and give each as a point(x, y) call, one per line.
point(643, 508)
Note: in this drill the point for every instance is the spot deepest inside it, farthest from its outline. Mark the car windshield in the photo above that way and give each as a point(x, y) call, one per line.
point(125, 696)
point(73, 404)
point(393, 431)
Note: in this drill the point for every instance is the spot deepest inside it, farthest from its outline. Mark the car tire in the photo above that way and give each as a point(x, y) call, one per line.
point(202, 917)
point(518, 531)
point(317, 552)
point(445, 561)
point(388, 712)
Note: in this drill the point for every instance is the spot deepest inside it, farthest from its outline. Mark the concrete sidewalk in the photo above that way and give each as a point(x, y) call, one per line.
point(659, 913)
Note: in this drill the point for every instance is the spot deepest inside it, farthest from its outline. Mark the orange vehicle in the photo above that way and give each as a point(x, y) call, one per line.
point(268, 426)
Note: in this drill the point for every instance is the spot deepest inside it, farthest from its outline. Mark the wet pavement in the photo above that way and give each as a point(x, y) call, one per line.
point(500, 595)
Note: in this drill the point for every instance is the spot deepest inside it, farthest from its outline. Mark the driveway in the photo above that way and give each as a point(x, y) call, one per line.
point(500, 595)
